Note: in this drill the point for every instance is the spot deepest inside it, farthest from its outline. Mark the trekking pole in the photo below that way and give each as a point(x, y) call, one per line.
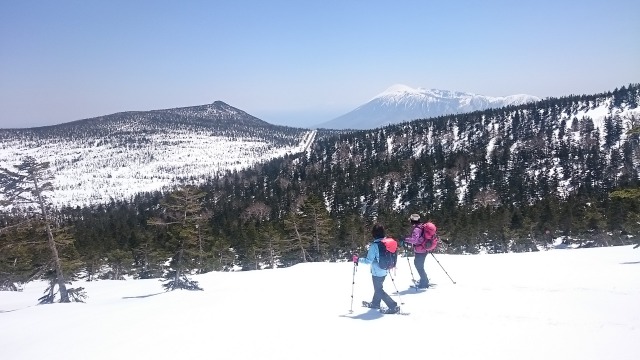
point(353, 283)
point(410, 269)
point(397, 292)
point(445, 271)
point(413, 279)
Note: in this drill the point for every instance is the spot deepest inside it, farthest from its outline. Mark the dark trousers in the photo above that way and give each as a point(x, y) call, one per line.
point(418, 261)
point(379, 294)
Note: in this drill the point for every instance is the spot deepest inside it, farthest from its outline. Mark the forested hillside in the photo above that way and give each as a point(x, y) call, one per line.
point(117, 156)
point(509, 179)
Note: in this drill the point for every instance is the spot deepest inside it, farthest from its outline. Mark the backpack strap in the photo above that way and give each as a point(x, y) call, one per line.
point(424, 240)
point(378, 243)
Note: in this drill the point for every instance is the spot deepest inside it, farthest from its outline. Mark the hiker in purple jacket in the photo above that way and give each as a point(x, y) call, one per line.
point(420, 247)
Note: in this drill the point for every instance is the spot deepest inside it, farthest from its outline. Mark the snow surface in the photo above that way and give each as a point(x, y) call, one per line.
point(557, 304)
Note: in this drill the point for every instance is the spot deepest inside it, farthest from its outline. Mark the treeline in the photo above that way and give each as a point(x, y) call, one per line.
point(501, 180)
point(118, 239)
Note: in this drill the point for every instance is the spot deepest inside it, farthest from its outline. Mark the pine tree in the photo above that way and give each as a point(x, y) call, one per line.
point(297, 239)
point(119, 262)
point(183, 210)
point(317, 223)
point(22, 252)
point(28, 185)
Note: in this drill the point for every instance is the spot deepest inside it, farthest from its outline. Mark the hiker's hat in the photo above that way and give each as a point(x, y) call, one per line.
point(414, 217)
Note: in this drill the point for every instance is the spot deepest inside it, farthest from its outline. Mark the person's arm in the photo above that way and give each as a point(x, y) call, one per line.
point(416, 236)
point(372, 254)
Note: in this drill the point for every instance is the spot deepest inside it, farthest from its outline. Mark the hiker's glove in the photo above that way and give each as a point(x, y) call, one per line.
point(355, 260)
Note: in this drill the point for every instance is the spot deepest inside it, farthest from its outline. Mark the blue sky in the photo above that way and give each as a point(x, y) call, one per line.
point(300, 62)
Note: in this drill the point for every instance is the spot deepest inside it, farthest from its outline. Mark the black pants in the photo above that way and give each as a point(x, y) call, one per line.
point(379, 294)
point(418, 261)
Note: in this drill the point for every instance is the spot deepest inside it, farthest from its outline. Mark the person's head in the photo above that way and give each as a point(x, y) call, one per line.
point(377, 231)
point(414, 218)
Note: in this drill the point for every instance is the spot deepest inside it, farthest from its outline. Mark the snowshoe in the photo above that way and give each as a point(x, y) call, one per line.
point(394, 310)
point(369, 305)
point(417, 285)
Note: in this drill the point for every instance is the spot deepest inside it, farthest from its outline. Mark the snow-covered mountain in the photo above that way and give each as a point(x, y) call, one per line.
point(119, 155)
point(402, 103)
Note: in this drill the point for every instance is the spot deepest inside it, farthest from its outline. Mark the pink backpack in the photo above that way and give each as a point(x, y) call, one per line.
point(429, 236)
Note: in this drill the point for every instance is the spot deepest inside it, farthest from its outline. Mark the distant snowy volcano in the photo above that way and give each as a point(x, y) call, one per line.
point(402, 103)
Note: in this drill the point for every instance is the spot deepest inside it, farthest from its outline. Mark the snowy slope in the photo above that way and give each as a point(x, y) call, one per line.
point(557, 304)
point(117, 156)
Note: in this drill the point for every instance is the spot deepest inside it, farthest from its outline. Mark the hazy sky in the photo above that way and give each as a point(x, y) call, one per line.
point(300, 62)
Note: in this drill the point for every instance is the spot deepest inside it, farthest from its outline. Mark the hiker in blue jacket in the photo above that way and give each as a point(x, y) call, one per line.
point(377, 274)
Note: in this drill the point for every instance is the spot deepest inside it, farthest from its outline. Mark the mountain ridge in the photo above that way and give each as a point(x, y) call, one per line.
point(217, 111)
point(136, 152)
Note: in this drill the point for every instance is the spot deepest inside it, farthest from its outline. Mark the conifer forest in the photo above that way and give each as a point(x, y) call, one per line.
point(513, 179)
